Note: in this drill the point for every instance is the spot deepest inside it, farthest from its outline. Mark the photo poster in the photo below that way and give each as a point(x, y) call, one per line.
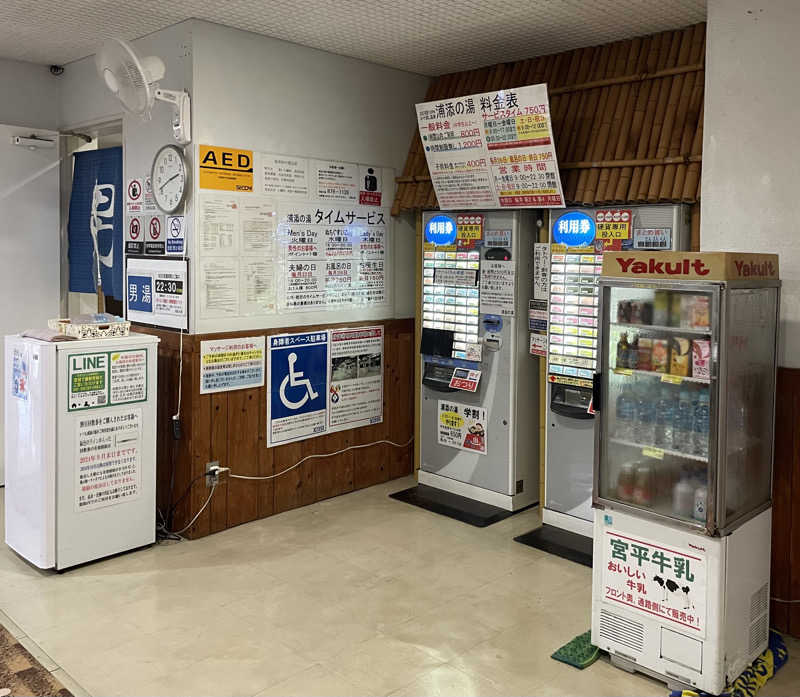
point(231, 364)
point(462, 426)
point(322, 382)
point(281, 234)
point(492, 150)
point(355, 378)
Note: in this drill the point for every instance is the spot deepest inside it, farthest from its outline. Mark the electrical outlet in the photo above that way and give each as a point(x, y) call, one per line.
point(212, 477)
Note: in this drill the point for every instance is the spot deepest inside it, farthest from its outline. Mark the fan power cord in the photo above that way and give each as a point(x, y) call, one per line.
point(216, 470)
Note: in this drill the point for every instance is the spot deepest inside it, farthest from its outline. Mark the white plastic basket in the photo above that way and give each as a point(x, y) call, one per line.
point(103, 330)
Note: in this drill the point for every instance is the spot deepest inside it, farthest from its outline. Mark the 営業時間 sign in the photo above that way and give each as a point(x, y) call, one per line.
point(492, 150)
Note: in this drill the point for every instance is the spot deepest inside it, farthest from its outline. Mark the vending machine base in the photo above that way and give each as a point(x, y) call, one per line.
point(681, 606)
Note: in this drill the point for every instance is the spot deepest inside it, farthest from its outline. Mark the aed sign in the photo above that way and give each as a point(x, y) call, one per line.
point(574, 229)
point(225, 169)
point(440, 230)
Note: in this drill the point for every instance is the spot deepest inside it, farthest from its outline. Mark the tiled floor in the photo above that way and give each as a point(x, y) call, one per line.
point(352, 596)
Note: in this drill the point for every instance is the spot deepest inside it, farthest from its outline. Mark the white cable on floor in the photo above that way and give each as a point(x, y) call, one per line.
point(321, 455)
point(208, 500)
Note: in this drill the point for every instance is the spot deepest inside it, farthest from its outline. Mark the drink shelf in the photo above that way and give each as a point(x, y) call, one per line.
point(705, 331)
point(670, 378)
point(665, 451)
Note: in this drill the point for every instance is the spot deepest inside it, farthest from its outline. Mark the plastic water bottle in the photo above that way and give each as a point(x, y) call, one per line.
point(682, 424)
point(645, 427)
point(700, 429)
point(665, 415)
point(626, 409)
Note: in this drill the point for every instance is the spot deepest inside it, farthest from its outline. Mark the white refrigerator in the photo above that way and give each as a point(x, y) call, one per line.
point(80, 447)
point(685, 395)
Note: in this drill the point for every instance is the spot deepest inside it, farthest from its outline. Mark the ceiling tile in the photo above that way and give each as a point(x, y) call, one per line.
point(431, 37)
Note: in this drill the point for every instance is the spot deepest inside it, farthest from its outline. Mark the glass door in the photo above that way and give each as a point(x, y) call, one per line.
point(657, 400)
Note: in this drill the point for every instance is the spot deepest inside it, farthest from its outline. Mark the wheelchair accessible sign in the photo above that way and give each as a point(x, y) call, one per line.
point(297, 387)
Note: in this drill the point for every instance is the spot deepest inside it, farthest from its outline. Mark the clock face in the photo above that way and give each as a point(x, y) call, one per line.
point(169, 178)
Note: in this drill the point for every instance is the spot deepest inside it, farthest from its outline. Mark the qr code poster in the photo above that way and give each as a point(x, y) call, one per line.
point(462, 426)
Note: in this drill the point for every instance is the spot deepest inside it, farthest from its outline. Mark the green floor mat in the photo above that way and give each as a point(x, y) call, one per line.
point(580, 652)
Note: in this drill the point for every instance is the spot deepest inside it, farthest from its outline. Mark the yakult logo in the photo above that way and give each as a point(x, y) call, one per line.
point(753, 268)
point(671, 268)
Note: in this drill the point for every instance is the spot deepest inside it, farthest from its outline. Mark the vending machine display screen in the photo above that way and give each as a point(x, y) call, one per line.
point(573, 310)
point(451, 298)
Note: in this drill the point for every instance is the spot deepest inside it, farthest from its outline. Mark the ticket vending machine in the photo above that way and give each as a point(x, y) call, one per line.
point(579, 237)
point(480, 384)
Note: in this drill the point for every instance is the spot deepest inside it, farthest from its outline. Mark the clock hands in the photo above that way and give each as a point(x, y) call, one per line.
point(161, 188)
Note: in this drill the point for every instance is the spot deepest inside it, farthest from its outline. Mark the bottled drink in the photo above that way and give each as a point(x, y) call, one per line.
point(622, 350)
point(625, 482)
point(700, 428)
point(700, 501)
point(665, 415)
point(682, 424)
point(633, 353)
point(643, 488)
point(626, 410)
point(645, 427)
point(683, 498)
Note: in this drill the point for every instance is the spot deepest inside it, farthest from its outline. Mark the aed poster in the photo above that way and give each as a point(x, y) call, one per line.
point(462, 426)
point(231, 364)
point(656, 580)
point(492, 150)
point(297, 387)
point(356, 378)
point(108, 459)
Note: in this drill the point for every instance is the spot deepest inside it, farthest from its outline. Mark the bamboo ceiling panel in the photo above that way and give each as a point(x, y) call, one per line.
point(627, 119)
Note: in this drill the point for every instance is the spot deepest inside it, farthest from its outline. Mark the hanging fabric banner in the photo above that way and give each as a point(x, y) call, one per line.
point(96, 207)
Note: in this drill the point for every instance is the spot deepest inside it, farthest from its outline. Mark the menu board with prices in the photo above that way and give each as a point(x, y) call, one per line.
point(451, 297)
point(573, 311)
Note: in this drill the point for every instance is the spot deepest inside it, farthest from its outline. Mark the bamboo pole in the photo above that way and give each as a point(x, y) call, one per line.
point(671, 117)
point(692, 183)
point(622, 79)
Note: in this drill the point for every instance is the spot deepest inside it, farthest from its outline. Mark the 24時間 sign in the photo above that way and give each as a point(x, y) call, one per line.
point(492, 150)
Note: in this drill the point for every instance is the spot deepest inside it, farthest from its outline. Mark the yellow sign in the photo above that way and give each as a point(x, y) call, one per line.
point(614, 231)
point(469, 232)
point(225, 169)
point(448, 418)
point(575, 382)
point(623, 371)
point(657, 453)
point(674, 379)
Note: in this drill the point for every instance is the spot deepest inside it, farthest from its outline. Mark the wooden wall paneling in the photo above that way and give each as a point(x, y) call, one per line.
point(787, 419)
point(334, 475)
point(371, 465)
point(417, 372)
point(243, 446)
point(266, 488)
point(220, 451)
point(201, 420)
point(289, 487)
point(401, 411)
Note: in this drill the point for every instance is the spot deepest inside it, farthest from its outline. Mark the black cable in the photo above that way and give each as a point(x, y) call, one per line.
point(172, 508)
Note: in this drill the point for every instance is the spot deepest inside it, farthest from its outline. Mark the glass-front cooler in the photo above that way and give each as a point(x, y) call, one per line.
point(686, 395)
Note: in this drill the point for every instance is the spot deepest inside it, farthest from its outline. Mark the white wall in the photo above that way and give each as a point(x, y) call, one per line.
point(751, 149)
point(30, 95)
point(262, 94)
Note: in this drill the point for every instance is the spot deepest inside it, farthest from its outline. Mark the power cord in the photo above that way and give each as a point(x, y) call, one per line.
point(217, 470)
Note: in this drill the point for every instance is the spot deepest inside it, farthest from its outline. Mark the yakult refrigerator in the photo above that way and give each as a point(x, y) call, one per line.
point(682, 478)
point(80, 447)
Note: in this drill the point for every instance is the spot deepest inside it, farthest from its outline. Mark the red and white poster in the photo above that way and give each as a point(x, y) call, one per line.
point(462, 426)
point(466, 380)
point(657, 580)
point(614, 227)
point(492, 150)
